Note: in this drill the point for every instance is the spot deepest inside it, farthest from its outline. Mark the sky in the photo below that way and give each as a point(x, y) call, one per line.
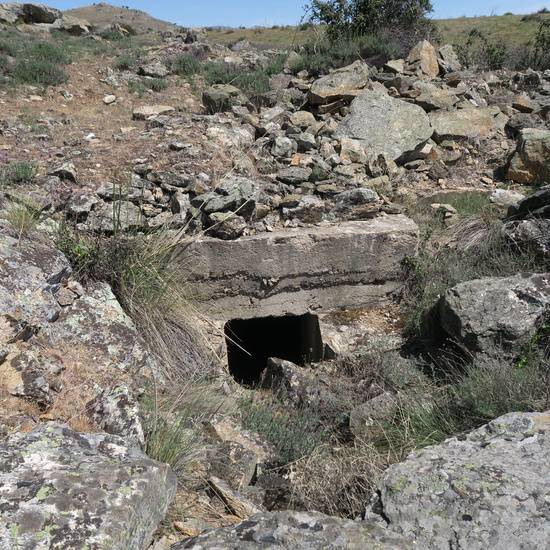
point(250, 13)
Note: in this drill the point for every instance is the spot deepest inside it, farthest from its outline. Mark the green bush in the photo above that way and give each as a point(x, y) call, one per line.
point(45, 51)
point(184, 64)
point(351, 18)
point(157, 84)
point(38, 73)
point(319, 57)
point(294, 430)
point(124, 62)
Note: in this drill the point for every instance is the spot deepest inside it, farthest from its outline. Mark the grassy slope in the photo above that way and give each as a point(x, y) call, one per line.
point(509, 28)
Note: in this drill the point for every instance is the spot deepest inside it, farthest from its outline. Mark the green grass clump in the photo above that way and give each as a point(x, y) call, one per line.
point(22, 216)
point(157, 84)
point(124, 62)
point(47, 51)
point(38, 73)
point(18, 172)
point(184, 64)
point(294, 430)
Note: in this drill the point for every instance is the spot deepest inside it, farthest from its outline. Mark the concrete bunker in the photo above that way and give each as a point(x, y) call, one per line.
point(250, 342)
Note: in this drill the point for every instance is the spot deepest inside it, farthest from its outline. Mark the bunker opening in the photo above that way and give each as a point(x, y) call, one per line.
point(250, 342)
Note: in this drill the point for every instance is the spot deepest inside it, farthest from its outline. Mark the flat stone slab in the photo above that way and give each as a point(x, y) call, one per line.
point(292, 272)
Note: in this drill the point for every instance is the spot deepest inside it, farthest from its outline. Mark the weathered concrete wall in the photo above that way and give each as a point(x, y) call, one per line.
point(317, 270)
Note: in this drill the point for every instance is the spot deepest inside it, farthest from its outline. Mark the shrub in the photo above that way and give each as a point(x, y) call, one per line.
point(351, 18)
point(129, 28)
point(45, 51)
point(184, 64)
point(318, 58)
point(294, 430)
point(136, 87)
point(157, 84)
point(479, 51)
point(124, 62)
point(38, 73)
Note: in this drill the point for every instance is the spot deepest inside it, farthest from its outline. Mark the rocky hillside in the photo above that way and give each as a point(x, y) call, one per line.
point(100, 14)
point(169, 208)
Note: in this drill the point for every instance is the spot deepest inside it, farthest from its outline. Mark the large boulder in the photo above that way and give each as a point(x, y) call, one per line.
point(496, 311)
point(530, 161)
point(340, 83)
point(66, 489)
point(12, 12)
point(487, 489)
point(385, 125)
point(464, 124)
point(297, 531)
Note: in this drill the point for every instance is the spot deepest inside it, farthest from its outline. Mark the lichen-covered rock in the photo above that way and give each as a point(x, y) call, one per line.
point(116, 412)
point(221, 97)
point(488, 489)
point(339, 82)
point(29, 277)
point(467, 123)
point(235, 194)
point(65, 489)
point(496, 311)
point(423, 57)
point(96, 329)
point(530, 161)
point(385, 125)
point(290, 530)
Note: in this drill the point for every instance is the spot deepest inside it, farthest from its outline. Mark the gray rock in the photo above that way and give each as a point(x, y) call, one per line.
point(531, 234)
point(222, 97)
point(310, 210)
point(385, 125)
point(34, 387)
point(467, 123)
point(448, 60)
point(339, 82)
point(530, 161)
point(283, 147)
point(495, 312)
point(226, 226)
point(154, 70)
point(362, 195)
point(290, 530)
point(294, 175)
point(487, 489)
point(120, 215)
point(65, 489)
point(431, 97)
point(235, 194)
point(116, 412)
point(29, 12)
point(70, 25)
point(146, 111)
point(423, 58)
point(535, 205)
point(195, 34)
point(29, 278)
point(97, 327)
